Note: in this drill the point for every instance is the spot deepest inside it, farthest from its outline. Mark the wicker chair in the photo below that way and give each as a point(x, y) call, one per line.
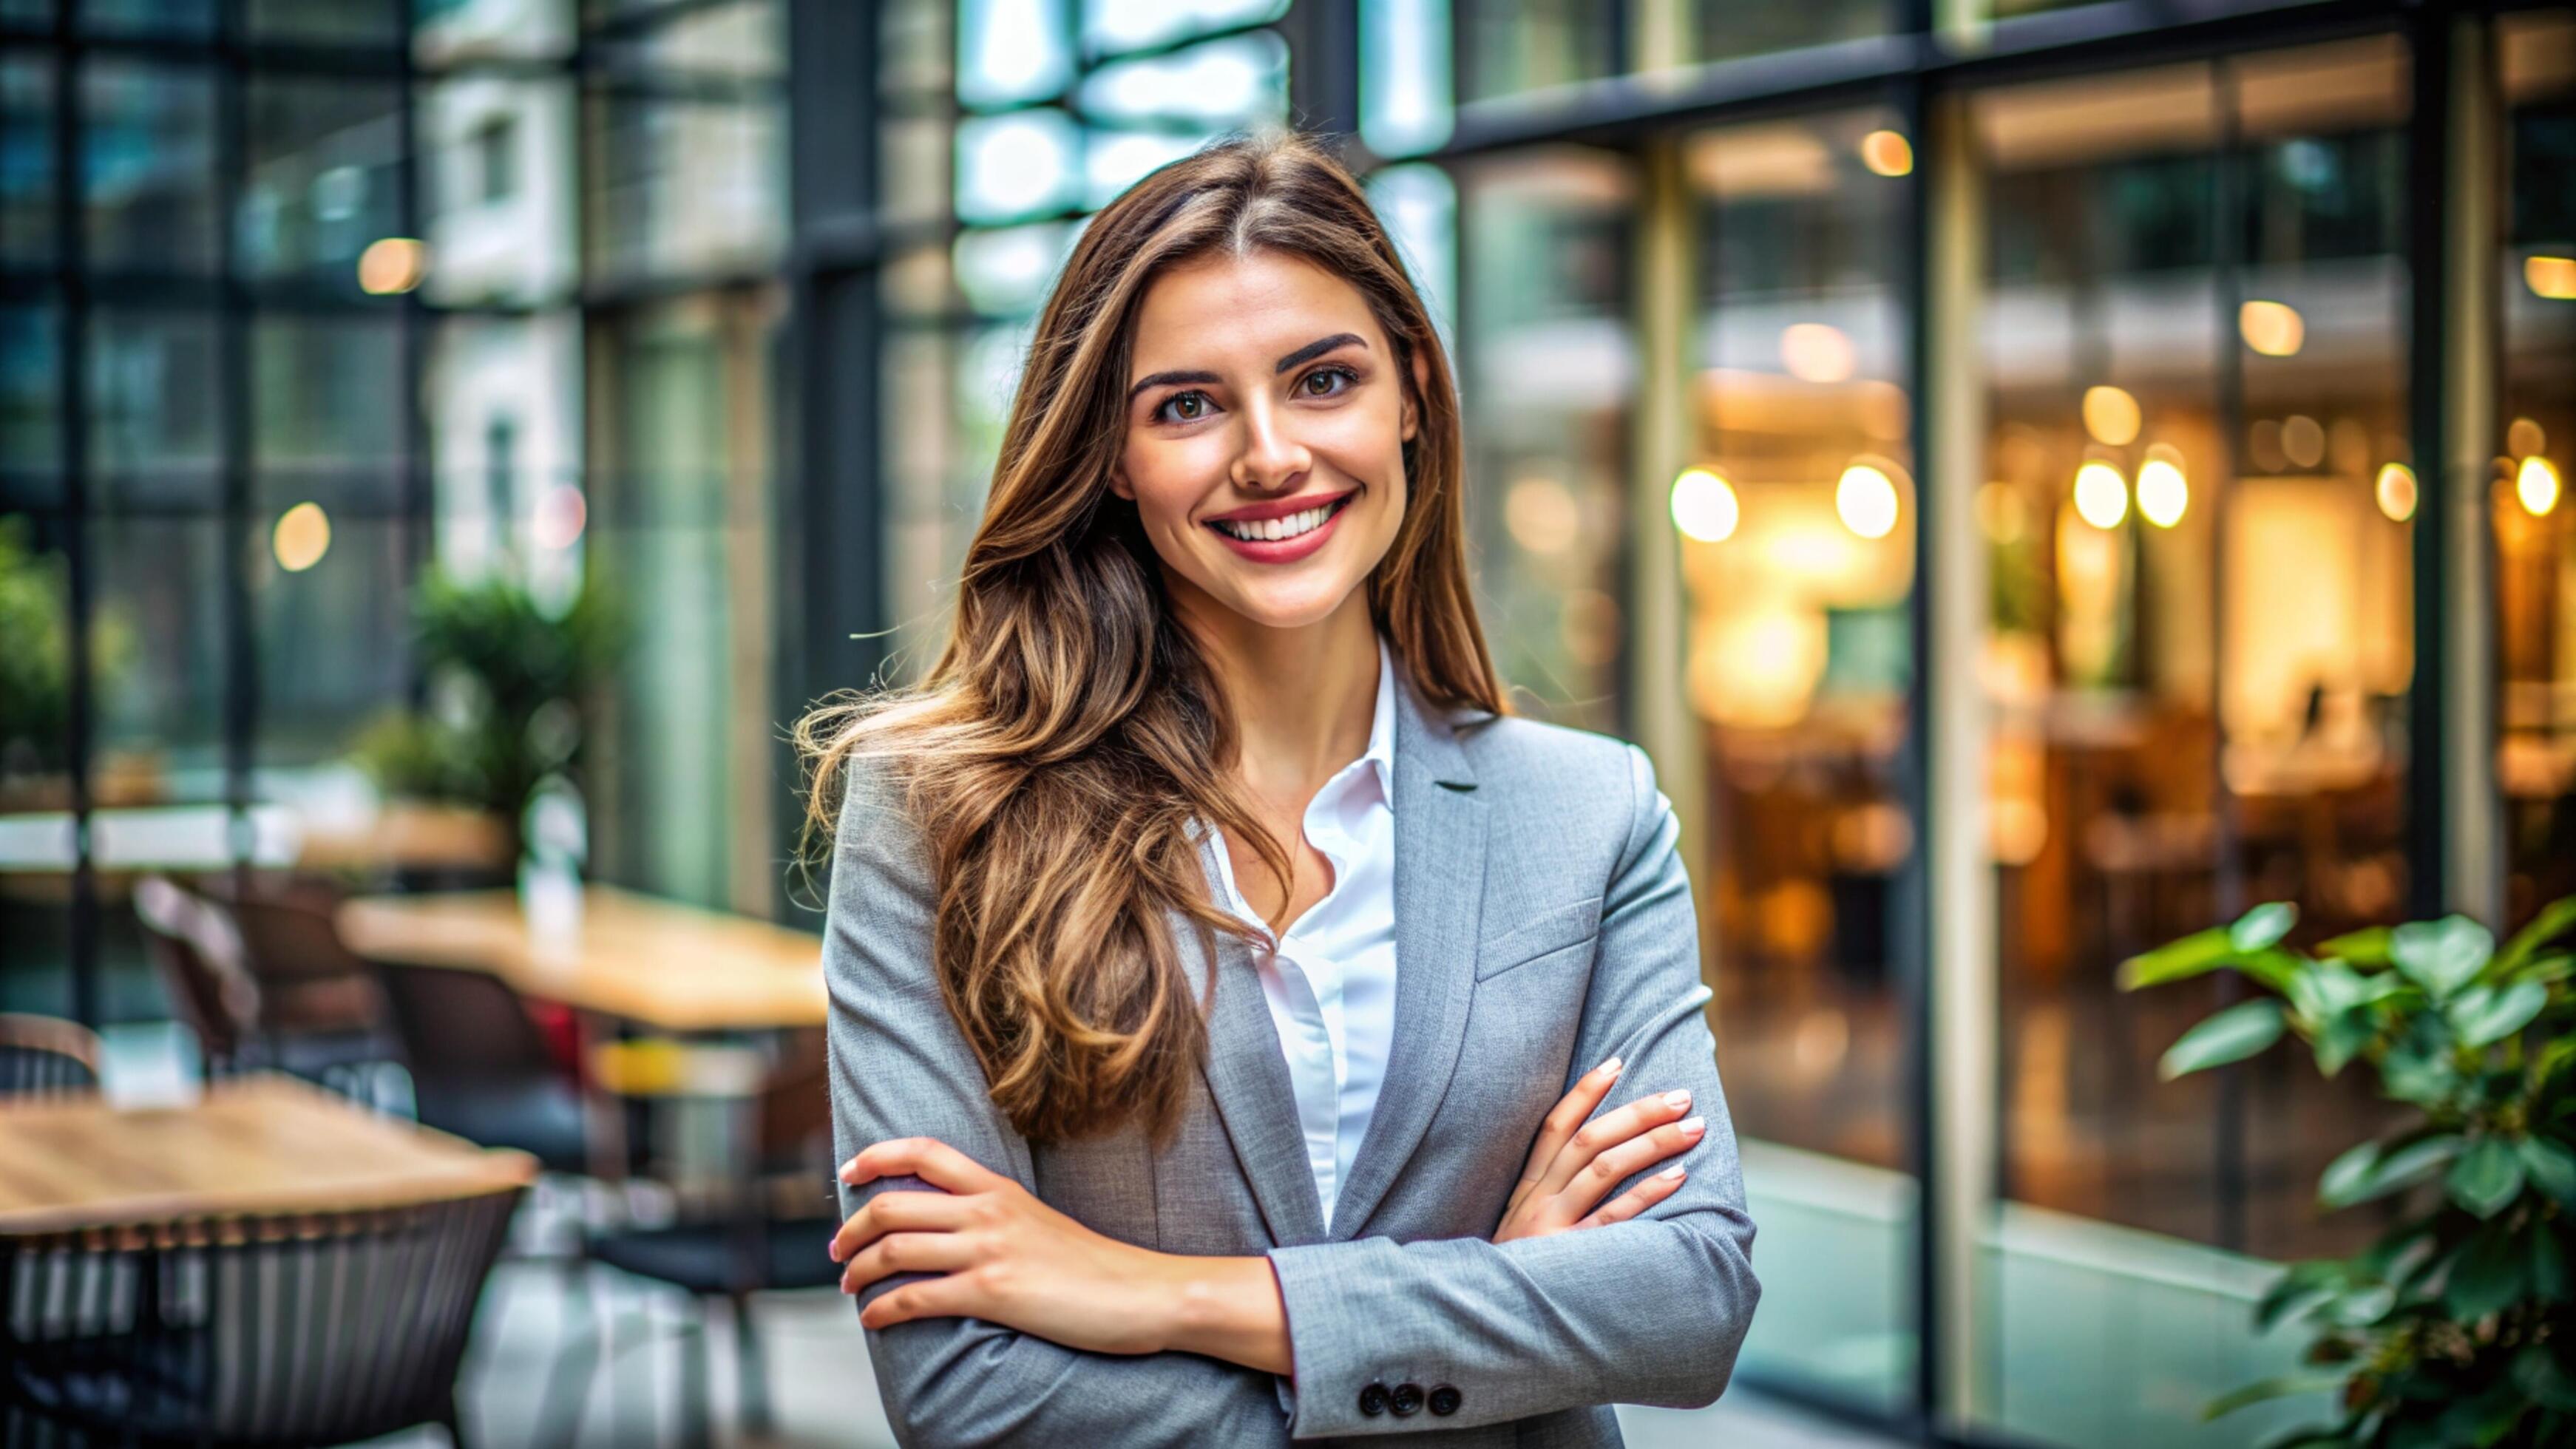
point(46, 1056)
point(266, 1331)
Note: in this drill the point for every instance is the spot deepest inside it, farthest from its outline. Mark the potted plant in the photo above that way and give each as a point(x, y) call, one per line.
point(2458, 1326)
point(35, 684)
point(511, 684)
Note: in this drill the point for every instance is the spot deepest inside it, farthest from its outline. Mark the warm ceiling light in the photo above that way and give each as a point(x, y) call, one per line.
point(302, 536)
point(2101, 495)
point(1541, 515)
point(2303, 440)
point(2551, 277)
point(2111, 416)
point(2525, 437)
point(2163, 492)
point(2396, 491)
point(392, 265)
point(2274, 329)
point(1866, 499)
point(1704, 506)
point(1815, 352)
point(2536, 484)
point(1887, 152)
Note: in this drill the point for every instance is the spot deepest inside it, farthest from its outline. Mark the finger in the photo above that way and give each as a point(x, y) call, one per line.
point(1609, 1130)
point(908, 1253)
point(896, 1211)
point(1637, 1199)
point(1567, 1115)
point(949, 1297)
point(1615, 1165)
point(927, 1158)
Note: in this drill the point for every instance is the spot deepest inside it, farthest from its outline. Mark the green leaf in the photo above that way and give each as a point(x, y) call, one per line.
point(2263, 926)
point(2486, 1178)
point(2300, 1288)
point(2194, 955)
point(2484, 1418)
point(2417, 1071)
point(2481, 1015)
point(2400, 1169)
point(2365, 947)
point(2537, 1372)
point(2549, 1266)
point(2552, 1168)
point(2310, 1436)
point(2554, 920)
point(2441, 956)
point(2263, 1390)
point(2232, 1035)
point(2488, 1276)
point(2553, 1059)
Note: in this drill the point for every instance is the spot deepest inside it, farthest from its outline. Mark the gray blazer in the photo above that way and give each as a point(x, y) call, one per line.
point(1543, 923)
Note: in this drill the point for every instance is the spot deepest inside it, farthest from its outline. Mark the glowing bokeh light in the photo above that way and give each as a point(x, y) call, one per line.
point(302, 536)
point(1704, 506)
point(1815, 352)
point(1887, 153)
point(2551, 277)
point(2273, 329)
point(2163, 492)
point(2101, 495)
point(2536, 484)
point(2395, 491)
point(1866, 499)
point(392, 265)
point(2111, 416)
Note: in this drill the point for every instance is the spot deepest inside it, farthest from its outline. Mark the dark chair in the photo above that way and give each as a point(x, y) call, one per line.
point(260, 1331)
point(199, 958)
point(45, 1056)
point(770, 1236)
point(321, 1015)
point(479, 1067)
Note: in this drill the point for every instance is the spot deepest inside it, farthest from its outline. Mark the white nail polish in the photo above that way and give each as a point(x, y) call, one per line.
point(1694, 1124)
point(1611, 1066)
point(1677, 1098)
point(1673, 1171)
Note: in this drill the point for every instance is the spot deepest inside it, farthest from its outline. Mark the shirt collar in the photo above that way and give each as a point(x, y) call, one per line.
point(1381, 745)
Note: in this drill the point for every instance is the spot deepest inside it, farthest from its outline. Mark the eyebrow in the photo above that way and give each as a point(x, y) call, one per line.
point(1307, 353)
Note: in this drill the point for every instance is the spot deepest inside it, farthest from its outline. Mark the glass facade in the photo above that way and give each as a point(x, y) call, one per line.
point(2184, 396)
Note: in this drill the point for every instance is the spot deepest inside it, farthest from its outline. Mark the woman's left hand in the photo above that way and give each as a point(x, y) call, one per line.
point(1007, 1257)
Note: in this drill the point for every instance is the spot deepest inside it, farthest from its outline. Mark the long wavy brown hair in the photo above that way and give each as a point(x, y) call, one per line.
point(1070, 732)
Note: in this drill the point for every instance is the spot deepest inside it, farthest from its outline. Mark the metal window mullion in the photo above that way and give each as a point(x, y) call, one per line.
point(72, 444)
point(2229, 212)
point(233, 384)
point(417, 503)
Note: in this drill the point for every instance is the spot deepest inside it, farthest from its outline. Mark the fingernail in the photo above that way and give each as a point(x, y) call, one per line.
point(1611, 1066)
point(1677, 1098)
point(1694, 1125)
point(1672, 1173)
point(849, 1167)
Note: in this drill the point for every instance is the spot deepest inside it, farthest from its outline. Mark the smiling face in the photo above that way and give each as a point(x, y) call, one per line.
point(1265, 430)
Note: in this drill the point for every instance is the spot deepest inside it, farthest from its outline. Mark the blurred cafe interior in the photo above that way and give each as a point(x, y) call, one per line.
point(2039, 478)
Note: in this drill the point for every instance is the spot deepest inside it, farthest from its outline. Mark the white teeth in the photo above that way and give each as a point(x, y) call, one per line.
point(1271, 530)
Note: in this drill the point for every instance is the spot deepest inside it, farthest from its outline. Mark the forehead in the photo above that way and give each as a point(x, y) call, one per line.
point(1222, 308)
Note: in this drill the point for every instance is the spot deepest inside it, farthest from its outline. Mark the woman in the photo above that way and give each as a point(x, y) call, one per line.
point(1221, 966)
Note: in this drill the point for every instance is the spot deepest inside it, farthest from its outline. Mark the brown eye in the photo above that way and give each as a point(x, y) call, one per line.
point(1326, 382)
point(1186, 405)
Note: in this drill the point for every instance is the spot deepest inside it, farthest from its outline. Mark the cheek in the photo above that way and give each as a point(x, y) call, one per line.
point(1169, 478)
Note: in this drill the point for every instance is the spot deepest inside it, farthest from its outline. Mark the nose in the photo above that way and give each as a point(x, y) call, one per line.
point(1271, 460)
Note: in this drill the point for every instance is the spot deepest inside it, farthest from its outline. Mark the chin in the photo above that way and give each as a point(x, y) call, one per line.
point(1290, 608)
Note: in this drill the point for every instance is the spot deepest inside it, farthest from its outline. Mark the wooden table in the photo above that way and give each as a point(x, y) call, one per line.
point(653, 962)
point(261, 1144)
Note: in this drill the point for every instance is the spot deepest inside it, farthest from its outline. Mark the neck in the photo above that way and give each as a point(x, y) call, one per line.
point(1302, 699)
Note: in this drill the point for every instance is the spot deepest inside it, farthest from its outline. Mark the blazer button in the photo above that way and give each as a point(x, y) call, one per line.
point(1445, 1399)
point(1373, 1400)
point(1406, 1400)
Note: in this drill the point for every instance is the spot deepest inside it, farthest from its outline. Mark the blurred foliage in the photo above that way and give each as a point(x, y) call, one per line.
point(512, 688)
point(2456, 1326)
point(36, 659)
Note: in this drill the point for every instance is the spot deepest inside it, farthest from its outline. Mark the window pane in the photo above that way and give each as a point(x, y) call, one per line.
point(1114, 27)
point(2535, 541)
point(684, 186)
point(1234, 81)
point(1525, 45)
point(324, 178)
point(35, 790)
point(497, 193)
point(1023, 164)
point(155, 403)
point(502, 399)
point(1405, 102)
point(157, 17)
point(26, 158)
point(157, 648)
point(326, 392)
point(331, 605)
point(1725, 29)
point(1797, 528)
point(30, 405)
point(1547, 376)
point(148, 165)
point(341, 22)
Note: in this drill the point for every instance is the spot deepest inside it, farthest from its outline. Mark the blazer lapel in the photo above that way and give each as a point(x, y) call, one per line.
point(1439, 902)
point(1247, 1077)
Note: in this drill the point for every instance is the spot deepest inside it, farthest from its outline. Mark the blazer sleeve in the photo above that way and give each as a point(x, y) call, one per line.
point(900, 1067)
point(1647, 1311)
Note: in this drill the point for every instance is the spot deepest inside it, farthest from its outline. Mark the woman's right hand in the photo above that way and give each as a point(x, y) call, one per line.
point(1575, 1163)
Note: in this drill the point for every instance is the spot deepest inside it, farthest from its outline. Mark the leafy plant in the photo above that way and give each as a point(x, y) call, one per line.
point(2456, 1326)
point(510, 684)
point(36, 657)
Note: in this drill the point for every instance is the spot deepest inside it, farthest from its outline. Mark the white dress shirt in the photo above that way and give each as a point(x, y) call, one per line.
point(1331, 981)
